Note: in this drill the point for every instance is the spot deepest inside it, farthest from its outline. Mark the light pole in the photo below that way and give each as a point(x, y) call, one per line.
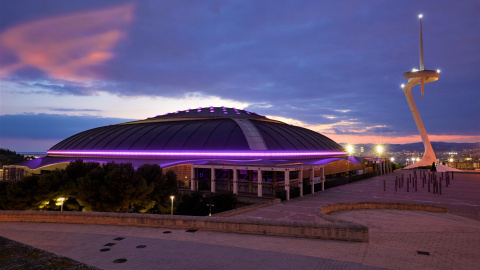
point(171, 209)
point(210, 205)
point(350, 152)
point(379, 150)
point(60, 201)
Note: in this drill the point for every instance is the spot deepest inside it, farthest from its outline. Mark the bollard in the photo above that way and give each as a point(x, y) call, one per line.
point(428, 185)
point(423, 183)
point(440, 186)
point(415, 185)
point(396, 183)
point(408, 186)
point(384, 185)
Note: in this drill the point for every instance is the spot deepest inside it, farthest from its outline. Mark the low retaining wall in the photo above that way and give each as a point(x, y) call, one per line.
point(322, 212)
point(247, 208)
point(328, 231)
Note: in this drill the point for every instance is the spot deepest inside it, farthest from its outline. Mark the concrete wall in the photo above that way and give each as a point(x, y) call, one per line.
point(247, 208)
point(322, 212)
point(329, 231)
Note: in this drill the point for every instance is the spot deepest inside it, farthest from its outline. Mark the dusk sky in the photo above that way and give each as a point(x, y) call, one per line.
point(331, 66)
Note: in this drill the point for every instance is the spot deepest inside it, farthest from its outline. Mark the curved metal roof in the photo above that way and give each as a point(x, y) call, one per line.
point(202, 129)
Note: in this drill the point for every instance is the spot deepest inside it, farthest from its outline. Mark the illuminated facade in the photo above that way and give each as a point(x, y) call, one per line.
point(215, 149)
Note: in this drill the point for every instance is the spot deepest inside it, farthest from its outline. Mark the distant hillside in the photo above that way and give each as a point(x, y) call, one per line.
point(412, 147)
point(437, 147)
point(8, 157)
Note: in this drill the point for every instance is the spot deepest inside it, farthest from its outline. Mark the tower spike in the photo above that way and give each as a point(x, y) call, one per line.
point(421, 43)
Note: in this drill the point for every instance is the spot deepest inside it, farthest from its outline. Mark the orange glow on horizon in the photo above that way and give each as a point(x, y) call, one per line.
point(358, 139)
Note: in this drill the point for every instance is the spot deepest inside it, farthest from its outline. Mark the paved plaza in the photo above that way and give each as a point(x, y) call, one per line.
point(398, 239)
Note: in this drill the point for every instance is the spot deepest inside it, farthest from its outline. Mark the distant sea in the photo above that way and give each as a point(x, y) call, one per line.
point(35, 154)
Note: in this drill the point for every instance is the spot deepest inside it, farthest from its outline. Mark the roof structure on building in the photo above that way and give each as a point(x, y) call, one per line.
point(202, 129)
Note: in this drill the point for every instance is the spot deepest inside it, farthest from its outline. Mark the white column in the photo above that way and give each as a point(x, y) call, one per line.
point(235, 181)
point(259, 182)
point(287, 183)
point(300, 181)
point(323, 177)
point(212, 180)
point(312, 176)
point(192, 179)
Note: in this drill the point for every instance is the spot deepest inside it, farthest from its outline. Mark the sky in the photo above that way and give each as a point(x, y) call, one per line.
point(331, 66)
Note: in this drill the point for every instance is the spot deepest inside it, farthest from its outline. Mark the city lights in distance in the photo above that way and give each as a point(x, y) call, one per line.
point(379, 149)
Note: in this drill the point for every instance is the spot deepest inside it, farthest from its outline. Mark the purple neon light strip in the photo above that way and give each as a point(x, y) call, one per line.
point(264, 154)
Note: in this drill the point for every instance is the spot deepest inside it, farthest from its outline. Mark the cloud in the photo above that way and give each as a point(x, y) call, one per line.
point(65, 47)
point(303, 62)
point(49, 126)
point(72, 110)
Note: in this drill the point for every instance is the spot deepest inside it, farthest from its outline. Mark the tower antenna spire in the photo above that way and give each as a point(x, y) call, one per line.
point(422, 67)
point(421, 43)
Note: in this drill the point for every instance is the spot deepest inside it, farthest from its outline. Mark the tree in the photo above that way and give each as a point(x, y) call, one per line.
point(8, 157)
point(123, 187)
point(113, 187)
point(22, 195)
point(3, 195)
point(88, 190)
point(195, 203)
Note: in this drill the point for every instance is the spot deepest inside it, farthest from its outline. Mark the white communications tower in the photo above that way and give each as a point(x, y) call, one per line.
point(421, 77)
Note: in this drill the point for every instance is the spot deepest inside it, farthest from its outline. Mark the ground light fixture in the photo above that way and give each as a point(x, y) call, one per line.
point(171, 209)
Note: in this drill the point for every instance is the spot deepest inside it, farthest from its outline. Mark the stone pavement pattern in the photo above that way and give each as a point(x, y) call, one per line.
point(462, 197)
point(452, 240)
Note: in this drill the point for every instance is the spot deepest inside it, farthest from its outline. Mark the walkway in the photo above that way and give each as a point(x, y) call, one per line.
point(398, 239)
point(461, 198)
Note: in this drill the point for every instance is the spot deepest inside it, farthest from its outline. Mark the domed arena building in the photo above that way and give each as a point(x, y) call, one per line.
point(212, 148)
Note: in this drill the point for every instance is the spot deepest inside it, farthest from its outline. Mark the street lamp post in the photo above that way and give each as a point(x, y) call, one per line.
point(210, 205)
point(379, 150)
point(61, 200)
point(350, 152)
point(171, 209)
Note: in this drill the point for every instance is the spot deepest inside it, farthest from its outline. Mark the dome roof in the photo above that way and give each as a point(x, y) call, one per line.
point(202, 129)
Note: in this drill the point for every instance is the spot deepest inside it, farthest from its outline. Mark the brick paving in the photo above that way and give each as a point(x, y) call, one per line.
point(452, 239)
point(462, 197)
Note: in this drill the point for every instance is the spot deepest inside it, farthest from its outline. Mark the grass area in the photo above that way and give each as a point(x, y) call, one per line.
point(15, 255)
